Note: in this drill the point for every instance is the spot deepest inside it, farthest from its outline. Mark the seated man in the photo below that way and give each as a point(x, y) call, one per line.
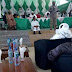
point(62, 32)
point(28, 11)
point(32, 15)
point(11, 21)
point(70, 13)
point(21, 12)
point(47, 14)
point(24, 15)
point(35, 25)
point(62, 48)
point(38, 15)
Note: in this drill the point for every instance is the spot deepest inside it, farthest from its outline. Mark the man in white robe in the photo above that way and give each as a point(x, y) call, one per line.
point(21, 12)
point(28, 11)
point(32, 15)
point(62, 32)
point(47, 14)
point(35, 26)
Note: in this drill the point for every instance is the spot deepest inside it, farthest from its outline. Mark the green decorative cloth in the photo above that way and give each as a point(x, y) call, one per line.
point(25, 6)
point(68, 20)
point(25, 24)
point(32, 6)
point(63, 7)
point(40, 6)
point(35, 5)
point(58, 22)
point(8, 6)
point(41, 24)
point(17, 6)
point(47, 3)
point(22, 24)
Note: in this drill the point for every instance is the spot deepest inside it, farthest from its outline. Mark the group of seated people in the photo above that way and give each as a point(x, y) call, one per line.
point(8, 18)
point(29, 14)
point(64, 14)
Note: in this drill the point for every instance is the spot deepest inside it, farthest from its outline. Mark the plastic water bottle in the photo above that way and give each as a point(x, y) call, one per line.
point(9, 42)
point(15, 44)
point(16, 57)
point(10, 55)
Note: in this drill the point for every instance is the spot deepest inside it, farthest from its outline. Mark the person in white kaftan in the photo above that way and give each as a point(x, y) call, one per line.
point(35, 26)
point(47, 14)
point(32, 15)
point(62, 32)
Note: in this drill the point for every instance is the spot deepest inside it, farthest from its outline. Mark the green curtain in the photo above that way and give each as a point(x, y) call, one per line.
point(8, 6)
point(17, 6)
point(40, 6)
point(25, 6)
point(47, 23)
point(68, 20)
point(47, 3)
point(32, 6)
point(63, 7)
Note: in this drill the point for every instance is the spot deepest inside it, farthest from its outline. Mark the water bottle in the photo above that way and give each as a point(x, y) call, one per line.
point(16, 57)
point(9, 42)
point(10, 55)
point(15, 44)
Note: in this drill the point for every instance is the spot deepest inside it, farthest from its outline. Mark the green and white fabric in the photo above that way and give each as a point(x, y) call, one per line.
point(66, 7)
point(43, 19)
point(35, 5)
point(25, 24)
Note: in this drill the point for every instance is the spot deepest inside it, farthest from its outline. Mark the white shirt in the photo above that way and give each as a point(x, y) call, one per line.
point(46, 14)
point(21, 12)
point(31, 16)
point(35, 23)
point(28, 11)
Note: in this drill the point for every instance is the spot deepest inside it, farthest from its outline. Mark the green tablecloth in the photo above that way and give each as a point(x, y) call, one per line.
point(68, 20)
point(24, 24)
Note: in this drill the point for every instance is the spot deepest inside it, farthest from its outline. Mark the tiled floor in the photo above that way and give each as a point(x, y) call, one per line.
point(27, 35)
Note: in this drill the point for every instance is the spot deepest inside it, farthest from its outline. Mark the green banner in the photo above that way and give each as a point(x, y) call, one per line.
point(32, 6)
point(25, 6)
point(8, 6)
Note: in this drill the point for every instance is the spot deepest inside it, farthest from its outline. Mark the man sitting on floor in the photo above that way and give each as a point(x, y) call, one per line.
point(35, 25)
